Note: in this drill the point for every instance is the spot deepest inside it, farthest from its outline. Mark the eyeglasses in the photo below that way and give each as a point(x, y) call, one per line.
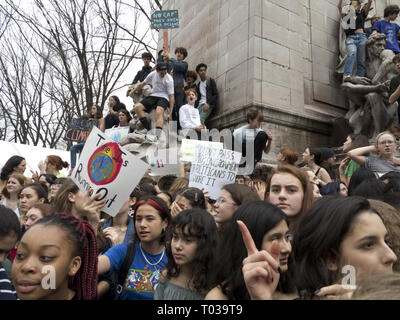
point(222, 200)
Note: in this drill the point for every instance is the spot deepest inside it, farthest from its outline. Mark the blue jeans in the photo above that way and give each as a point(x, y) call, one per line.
point(356, 50)
point(74, 150)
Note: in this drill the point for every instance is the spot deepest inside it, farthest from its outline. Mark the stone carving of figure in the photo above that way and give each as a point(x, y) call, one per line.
point(368, 96)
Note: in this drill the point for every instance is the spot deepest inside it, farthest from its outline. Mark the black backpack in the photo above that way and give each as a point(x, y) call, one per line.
point(123, 272)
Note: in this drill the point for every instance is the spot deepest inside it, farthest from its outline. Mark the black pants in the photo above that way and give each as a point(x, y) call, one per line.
point(259, 145)
point(180, 100)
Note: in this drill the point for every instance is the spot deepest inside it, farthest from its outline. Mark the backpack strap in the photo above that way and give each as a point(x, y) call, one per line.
point(123, 272)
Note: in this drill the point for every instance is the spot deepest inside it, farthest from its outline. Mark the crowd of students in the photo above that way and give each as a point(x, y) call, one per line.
point(289, 232)
point(305, 229)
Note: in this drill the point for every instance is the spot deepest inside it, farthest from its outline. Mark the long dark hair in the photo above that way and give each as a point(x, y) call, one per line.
point(318, 236)
point(200, 225)
point(9, 167)
point(259, 217)
point(82, 236)
point(360, 175)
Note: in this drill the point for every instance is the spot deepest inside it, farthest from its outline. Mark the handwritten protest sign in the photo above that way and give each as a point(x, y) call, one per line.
point(108, 169)
point(163, 161)
point(213, 168)
point(188, 148)
point(115, 134)
point(167, 19)
point(79, 129)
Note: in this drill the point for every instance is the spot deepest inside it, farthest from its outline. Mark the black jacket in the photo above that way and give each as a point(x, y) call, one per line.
point(212, 92)
point(142, 74)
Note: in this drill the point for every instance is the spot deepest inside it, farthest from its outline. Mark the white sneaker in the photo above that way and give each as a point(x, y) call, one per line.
point(143, 131)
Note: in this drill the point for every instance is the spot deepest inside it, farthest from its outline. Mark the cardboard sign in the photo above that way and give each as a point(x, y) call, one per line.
point(115, 134)
point(108, 169)
point(79, 129)
point(163, 161)
point(213, 168)
point(168, 19)
point(188, 148)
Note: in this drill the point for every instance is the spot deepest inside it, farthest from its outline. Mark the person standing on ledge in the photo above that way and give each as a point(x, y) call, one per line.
point(356, 40)
point(207, 92)
point(253, 131)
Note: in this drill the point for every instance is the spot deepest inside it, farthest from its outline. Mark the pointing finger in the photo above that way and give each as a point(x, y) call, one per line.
point(247, 239)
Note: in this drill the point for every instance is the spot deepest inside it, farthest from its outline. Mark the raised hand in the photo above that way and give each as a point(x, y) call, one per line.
point(89, 208)
point(175, 209)
point(260, 268)
point(111, 234)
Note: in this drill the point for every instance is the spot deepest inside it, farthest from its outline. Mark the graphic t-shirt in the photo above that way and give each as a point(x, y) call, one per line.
point(390, 30)
point(143, 278)
point(162, 87)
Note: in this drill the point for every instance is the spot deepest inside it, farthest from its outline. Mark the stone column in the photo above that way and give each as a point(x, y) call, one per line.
point(277, 55)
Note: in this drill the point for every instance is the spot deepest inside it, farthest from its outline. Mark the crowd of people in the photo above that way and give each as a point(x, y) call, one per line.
point(285, 232)
point(311, 227)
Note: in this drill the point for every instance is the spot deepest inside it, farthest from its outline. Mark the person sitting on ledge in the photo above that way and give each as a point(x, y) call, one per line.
point(161, 97)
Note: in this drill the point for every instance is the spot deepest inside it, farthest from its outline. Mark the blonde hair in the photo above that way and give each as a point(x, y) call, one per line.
point(382, 134)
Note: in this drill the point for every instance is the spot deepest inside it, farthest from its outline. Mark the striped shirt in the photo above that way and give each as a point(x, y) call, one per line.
point(7, 290)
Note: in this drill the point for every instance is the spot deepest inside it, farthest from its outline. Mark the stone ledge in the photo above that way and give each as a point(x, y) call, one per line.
point(231, 119)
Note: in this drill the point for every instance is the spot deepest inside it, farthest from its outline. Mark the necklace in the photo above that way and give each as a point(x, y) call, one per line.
point(145, 258)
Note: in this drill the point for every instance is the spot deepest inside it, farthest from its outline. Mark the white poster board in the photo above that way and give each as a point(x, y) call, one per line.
point(163, 161)
point(115, 134)
point(32, 154)
point(108, 169)
point(213, 168)
point(188, 148)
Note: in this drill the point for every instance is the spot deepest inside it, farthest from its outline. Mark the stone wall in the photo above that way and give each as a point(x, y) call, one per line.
point(278, 55)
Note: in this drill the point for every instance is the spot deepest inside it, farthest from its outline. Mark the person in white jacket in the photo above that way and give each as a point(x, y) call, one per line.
point(189, 117)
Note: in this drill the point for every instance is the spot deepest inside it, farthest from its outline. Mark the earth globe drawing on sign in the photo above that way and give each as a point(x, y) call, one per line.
point(103, 168)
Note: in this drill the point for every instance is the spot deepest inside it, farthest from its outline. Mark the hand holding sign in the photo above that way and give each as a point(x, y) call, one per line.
point(260, 268)
point(89, 208)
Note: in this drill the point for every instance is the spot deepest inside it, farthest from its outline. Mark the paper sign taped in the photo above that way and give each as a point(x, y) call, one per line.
point(213, 168)
point(188, 148)
point(115, 134)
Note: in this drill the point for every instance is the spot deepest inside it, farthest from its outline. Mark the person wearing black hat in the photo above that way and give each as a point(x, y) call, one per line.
point(161, 98)
point(328, 159)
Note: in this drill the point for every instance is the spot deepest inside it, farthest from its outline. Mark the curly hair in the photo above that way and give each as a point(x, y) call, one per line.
point(199, 224)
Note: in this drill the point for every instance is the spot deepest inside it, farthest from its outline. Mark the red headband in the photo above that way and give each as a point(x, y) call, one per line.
point(152, 203)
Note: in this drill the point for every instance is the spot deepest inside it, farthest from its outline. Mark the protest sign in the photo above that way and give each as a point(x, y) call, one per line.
point(188, 148)
point(108, 169)
point(213, 168)
point(167, 19)
point(115, 134)
point(163, 161)
point(79, 129)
